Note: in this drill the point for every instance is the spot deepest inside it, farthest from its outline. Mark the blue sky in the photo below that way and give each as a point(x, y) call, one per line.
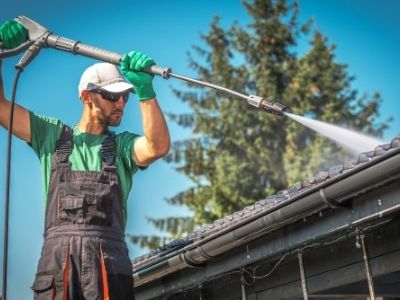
point(365, 32)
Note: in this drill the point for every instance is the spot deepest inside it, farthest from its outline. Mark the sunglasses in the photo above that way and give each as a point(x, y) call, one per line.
point(113, 97)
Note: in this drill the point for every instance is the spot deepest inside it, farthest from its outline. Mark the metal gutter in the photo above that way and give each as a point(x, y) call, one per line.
point(367, 176)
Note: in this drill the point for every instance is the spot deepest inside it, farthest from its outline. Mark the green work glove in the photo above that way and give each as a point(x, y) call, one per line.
point(132, 66)
point(12, 34)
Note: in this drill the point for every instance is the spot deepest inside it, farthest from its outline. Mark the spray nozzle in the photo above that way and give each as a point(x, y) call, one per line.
point(274, 108)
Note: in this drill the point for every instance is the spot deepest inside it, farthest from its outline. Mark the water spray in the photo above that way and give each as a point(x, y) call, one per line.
point(353, 142)
point(39, 37)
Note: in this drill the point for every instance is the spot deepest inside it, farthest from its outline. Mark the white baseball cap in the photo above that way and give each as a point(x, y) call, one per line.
point(105, 76)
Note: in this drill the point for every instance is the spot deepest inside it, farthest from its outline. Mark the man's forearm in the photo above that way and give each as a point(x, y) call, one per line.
point(4, 105)
point(155, 142)
point(21, 125)
point(2, 97)
point(155, 128)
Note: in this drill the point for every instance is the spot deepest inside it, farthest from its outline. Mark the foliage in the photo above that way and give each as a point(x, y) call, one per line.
point(238, 155)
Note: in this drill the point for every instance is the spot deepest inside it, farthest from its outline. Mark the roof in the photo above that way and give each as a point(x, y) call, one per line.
point(270, 203)
point(359, 195)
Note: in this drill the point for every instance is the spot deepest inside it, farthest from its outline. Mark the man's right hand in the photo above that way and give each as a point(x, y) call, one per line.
point(12, 34)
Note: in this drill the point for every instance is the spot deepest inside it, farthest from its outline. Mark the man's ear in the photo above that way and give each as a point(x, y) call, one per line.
point(85, 96)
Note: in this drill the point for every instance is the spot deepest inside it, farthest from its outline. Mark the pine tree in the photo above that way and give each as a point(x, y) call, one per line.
point(238, 155)
point(322, 89)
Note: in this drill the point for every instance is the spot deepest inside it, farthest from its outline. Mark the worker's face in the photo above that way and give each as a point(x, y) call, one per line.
point(105, 111)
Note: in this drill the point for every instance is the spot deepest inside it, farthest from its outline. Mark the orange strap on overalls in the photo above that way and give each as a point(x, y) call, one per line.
point(104, 276)
point(66, 276)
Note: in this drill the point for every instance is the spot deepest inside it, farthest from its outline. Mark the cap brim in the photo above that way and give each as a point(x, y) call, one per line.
point(118, 87)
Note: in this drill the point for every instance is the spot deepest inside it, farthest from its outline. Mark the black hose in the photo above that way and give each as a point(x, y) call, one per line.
point(8, 177)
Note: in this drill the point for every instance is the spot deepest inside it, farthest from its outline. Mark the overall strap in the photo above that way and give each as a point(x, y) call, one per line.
point(64, 144)
point(108, 150)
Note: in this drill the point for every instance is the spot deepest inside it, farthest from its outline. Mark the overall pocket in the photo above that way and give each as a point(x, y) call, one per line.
point(43, 287)
point(71, 210)
point(100, 205)
point(86, 203)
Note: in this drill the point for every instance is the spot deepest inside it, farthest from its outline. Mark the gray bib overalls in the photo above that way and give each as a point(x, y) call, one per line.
point(84, 255)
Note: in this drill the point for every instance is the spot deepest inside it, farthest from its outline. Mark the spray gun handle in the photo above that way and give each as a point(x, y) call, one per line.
point(11, 52)
point(101, 54)
point(106, 56)
point(76, 47)
point(35, 31)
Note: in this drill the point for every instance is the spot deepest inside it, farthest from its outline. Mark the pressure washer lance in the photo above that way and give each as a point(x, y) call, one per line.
point(40, 37)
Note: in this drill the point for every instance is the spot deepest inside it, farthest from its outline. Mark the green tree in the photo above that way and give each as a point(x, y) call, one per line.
point(238, 155)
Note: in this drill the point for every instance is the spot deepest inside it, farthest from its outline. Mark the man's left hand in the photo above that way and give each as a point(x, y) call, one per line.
point(132, 66)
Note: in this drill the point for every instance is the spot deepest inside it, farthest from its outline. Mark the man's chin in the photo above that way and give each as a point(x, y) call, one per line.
point(114, 124)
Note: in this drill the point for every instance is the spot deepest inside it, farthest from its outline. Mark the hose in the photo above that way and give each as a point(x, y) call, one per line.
point(8, 178)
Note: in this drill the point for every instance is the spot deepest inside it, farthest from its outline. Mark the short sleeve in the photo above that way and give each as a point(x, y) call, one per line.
point(45, 131)
point(125, 143)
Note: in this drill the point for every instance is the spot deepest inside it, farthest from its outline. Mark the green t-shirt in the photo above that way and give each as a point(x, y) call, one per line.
point(85, 155)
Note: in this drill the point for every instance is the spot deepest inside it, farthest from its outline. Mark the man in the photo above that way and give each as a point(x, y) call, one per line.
point(87, 173)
